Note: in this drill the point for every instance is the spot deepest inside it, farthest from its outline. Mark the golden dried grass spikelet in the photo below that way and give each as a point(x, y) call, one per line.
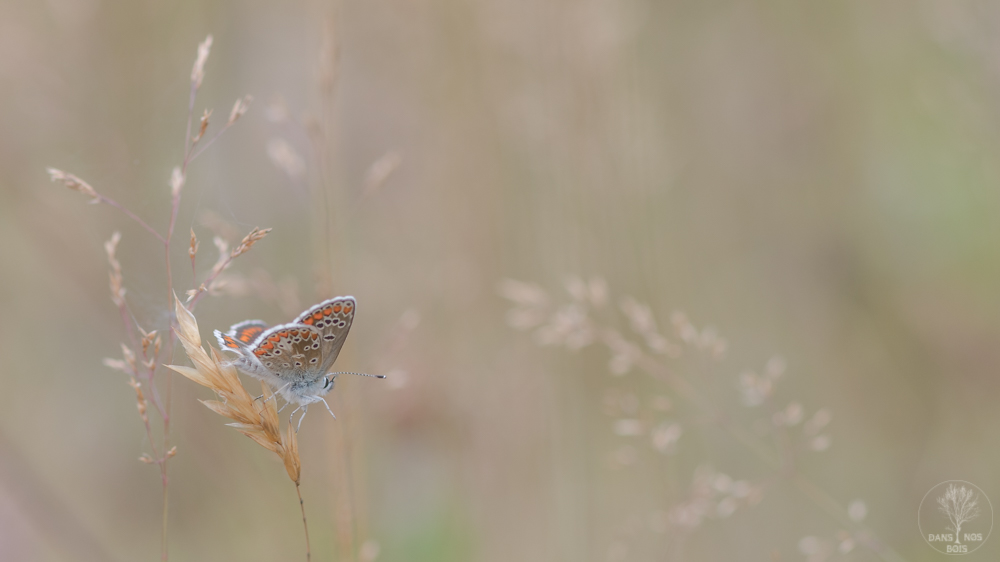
point(74, 183)
point(203, 127)
point(192, 293)
point(147, 339)
point(226, 257)
point(193, 248)
point(249, 240)
point(291, 457)
point(140, 399)
point(257, 419)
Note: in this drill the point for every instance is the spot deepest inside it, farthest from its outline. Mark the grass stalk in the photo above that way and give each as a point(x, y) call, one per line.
point(305, 524)
point(144, 370)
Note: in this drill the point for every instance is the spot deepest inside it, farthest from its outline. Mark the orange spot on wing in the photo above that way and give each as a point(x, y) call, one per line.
point(274, 338)
point(347, 310)
point(259, 351)
point(327, 311)
point(336, 308)
point(308, 321)
point(318, 316)
point(267, 345)
point(283, 334)
point(295, 332)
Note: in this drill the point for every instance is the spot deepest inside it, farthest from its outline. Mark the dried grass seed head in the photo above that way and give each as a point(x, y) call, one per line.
point(140, 399)
point(74, 183)
point(111, 248)
point(198, 71)
point(176, 181)
point(203, 126)
point(116, 364)
point(249, 240)
point(193, 248)
point(147, 340)
point(129, 356)
point(257, 419)
point(239, 108)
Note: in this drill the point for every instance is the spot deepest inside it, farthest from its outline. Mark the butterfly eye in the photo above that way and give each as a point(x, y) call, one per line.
point(328, 384)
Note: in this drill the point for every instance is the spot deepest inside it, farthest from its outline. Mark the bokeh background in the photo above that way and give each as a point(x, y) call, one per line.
point(818, 181)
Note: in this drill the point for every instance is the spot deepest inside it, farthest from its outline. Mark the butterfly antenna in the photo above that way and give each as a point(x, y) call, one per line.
point(359, 374)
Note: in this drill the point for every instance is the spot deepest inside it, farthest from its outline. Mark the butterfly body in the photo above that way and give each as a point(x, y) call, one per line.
point(294, 359)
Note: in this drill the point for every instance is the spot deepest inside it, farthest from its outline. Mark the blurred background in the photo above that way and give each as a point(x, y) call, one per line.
point(813, 185)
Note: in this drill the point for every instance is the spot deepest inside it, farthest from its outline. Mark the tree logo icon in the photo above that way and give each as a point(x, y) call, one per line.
point(955, 517)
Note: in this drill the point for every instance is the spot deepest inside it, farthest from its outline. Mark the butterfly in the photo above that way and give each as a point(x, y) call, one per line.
point(294, 359)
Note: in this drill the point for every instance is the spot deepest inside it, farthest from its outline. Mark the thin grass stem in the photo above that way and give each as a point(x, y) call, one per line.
point(187, 133)
point(163, 531)
point(207, 144)
point(305, 524)
point(109, 201)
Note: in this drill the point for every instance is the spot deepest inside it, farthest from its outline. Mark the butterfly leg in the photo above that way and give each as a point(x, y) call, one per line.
point(292, 415)
point(273, 395)
point(327, 407)
point(305, 409)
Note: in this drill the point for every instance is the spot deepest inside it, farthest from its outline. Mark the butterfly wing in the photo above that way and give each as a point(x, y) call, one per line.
point(333, 319)
point(291, 352)
point(243, 333)
point(248, 330)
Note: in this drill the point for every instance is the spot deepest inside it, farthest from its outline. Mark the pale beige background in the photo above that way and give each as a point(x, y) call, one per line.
point(817, 180)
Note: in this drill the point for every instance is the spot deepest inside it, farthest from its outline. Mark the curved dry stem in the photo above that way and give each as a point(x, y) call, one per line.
point(305, 525)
